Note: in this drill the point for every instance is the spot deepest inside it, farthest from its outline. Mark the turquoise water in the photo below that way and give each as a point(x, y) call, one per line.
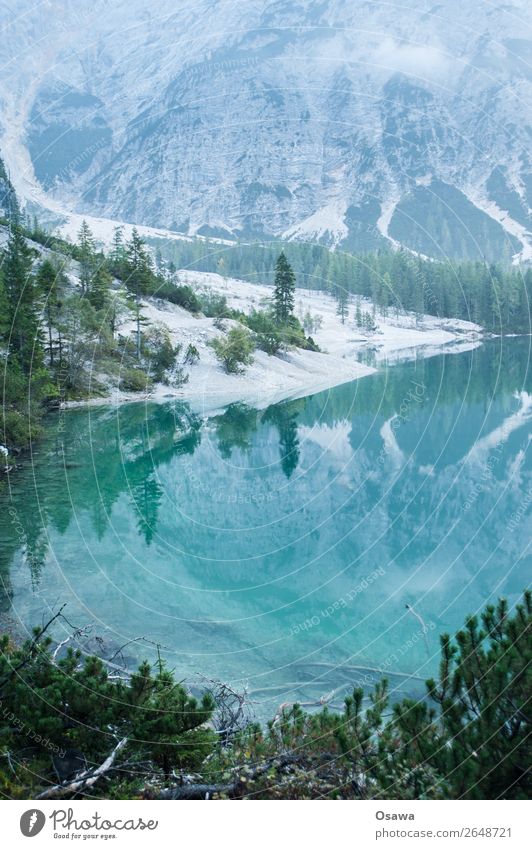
point(279, 548)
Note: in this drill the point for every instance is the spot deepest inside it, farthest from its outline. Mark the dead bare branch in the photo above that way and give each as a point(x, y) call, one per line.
point(79, 632)
point(233, 709)
point(85, 779)
point(235, 788)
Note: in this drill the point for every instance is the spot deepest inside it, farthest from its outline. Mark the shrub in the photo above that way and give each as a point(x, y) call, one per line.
point(72, 706)
point(134, 380)
point(158, 353)
point(213, 304)
point(268, 334)
point(311, 345)
point(272, 337)
point(18, 430)
point(235, 350)
point(191, 355)
point(294, 334)
point(468, 739)
point(183, 296)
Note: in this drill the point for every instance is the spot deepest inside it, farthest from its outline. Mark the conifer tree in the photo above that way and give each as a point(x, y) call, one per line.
point(139, 275)
point(342, 299)
point(479, 740)
point(23, 302)
point(4, 309)
point(117, 256)
point(284, 289)
point(99, 288)
point(51, 282)
point(168, 718)
point(86, 254)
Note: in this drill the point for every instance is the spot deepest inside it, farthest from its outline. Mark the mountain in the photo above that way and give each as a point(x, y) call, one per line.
point(354, 123)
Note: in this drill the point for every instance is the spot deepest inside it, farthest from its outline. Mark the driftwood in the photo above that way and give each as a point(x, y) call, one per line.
point(197, 791)
point(236, 788)
point(233, 711)
point(374, 669)
point(85, 779)
point(79, 632)
point(423, 626)
point(324, 701)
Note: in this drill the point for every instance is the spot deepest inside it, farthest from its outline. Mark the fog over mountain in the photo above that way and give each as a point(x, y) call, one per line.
point(355, 123)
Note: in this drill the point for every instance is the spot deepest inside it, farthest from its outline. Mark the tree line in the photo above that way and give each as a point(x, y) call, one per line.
point(62, 308)
point(494, 295)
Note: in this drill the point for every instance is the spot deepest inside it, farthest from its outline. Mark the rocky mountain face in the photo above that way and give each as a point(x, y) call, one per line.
point(350, 122)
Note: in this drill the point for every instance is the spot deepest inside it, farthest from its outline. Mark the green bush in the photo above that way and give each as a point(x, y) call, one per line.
point(213, 305)
point(192, 355)
point(21, 418)
point(269, 337)
point(182, 296)
point(50, 707)
point(134, 380)
point(469, 739)
point(19, 429)
point(159, 355)
point(272, 337)
point(234, 350)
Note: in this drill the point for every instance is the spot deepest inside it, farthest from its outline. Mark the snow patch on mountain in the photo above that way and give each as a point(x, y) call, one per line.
point(327, 224)
point(383, 222)
point(514, 228)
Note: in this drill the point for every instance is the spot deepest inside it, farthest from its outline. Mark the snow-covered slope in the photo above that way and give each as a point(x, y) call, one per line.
point(296, 372)
point(343, 120)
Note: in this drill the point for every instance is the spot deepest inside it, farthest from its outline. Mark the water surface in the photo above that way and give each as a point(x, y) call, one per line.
point(280, 548)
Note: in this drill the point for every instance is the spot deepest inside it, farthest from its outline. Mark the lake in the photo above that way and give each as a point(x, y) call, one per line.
point(296, 550)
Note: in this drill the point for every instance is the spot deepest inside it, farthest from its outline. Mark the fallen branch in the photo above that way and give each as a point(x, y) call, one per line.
point(323, 701)
point(422, 623)
point(375, 669)
point(126, 644)
point(197, 791)
point(233, 710)
point(85, 779)
point(79, 632)
point(235, 788)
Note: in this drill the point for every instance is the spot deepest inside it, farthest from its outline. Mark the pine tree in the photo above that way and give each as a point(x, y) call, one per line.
point(139, 275)
point(4, 310)
point(51, 282)
point(284, 289)
point(23, 302)
point(100, 288)
point(86, 256)
point(117, 256)
point(385, 292)
point(481, 733)
point(168, 718)
point(8, 198)
point(342, 298)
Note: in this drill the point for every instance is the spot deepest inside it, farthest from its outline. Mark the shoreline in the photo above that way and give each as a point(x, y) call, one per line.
point(212, 402)
point(295, 373)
